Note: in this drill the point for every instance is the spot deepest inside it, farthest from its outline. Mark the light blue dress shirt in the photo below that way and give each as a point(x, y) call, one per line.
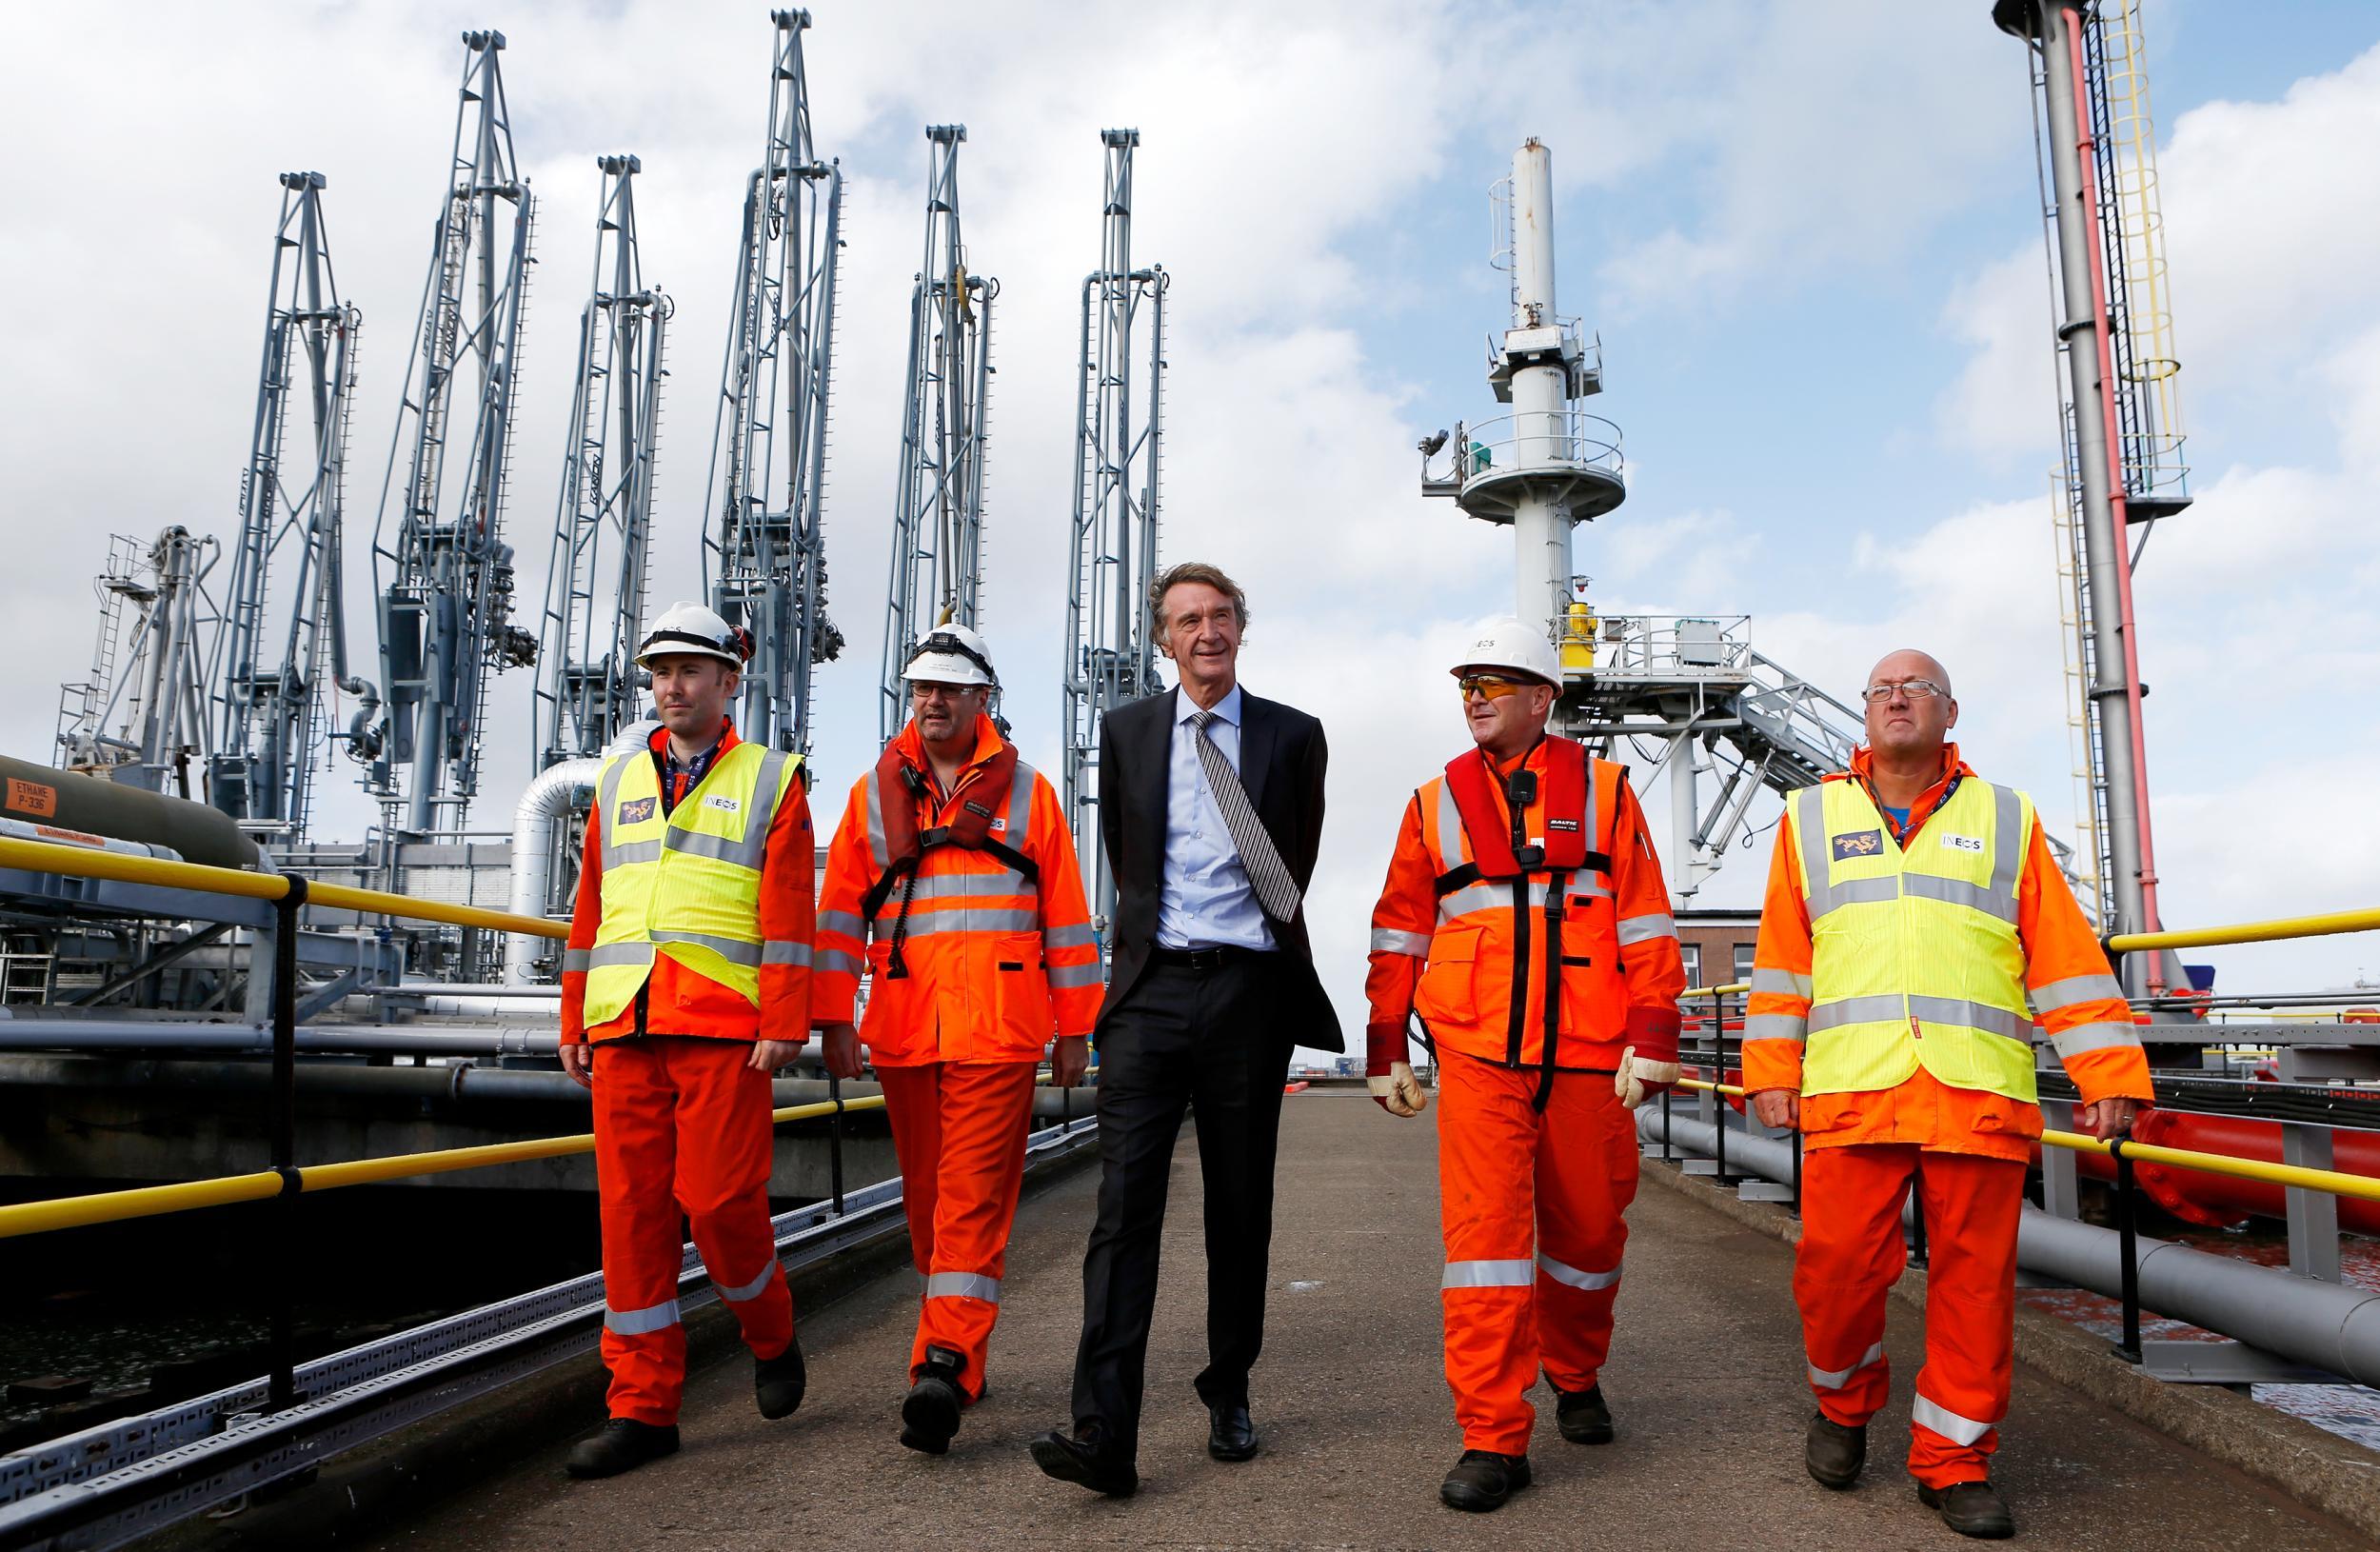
point(1205, 899)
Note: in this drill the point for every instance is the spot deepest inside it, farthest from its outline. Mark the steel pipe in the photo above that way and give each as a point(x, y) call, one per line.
point(551, 794)
point(2323, 1324)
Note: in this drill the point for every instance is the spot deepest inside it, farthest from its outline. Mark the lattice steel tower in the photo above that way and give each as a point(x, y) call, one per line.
point(765, 562)
point(595, 585)
point(445, 574)
point(937, 512)
point(282, 646)
point(1111, 653)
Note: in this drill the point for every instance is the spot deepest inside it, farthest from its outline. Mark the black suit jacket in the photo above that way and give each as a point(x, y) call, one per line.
point(1283, 757)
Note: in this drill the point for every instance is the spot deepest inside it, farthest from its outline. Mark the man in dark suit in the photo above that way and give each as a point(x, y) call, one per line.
point(1211, 807)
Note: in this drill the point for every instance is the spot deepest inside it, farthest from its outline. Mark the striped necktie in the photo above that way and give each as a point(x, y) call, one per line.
point(1267, 874)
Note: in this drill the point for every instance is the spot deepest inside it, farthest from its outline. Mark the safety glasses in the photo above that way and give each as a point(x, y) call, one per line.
point(1492, 687)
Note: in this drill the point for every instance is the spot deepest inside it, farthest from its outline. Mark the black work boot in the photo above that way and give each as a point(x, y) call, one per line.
point(624, 1445)
point(1483, 1480)
point(1970, 1509)
point(929, 1417)
point(1834, 1452)
point(1581, 1414)
point(778, 1382)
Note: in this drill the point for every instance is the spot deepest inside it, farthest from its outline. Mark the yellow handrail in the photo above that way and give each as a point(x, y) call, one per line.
point(149, 1201)
point(43, 857)
point(2286, 926)
point(1728, 990)
point(2363, 1188)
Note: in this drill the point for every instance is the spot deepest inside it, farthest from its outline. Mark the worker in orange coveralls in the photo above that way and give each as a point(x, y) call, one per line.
point(1915, 929)
point(953, 878)
point(686, 983)
point(1524, 867)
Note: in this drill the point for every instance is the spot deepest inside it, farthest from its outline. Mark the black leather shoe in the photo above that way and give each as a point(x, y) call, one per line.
point(624, 1445)
point(1483, 1480)
point(1230, 1434)
point(1835, 1453)
point(1581, 1414)
point(1069, 1459)
point(778, 1382)
point(1970, 1509)
point(929, 1418)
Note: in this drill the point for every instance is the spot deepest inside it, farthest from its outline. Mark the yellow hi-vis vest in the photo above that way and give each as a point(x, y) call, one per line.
point(688, 883)
point(1913, 955)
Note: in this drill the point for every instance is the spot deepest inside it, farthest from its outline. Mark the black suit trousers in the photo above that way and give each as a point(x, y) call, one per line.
point(1213, 1039)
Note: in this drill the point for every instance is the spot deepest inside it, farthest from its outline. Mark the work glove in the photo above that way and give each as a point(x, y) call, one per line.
point(1637, 1080)
point(1388, 1070)
point(1399, 1092)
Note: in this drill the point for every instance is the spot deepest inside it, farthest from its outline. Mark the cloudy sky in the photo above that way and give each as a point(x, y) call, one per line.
point(1807, 233)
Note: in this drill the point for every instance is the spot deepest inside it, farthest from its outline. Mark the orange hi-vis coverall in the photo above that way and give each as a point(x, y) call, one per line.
point(681, 1119)
point(1537, 1156)
point(1965, 1147)
point(975, 963)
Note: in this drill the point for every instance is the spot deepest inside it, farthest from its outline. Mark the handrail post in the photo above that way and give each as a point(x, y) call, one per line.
point(281, 1387)
point(2128, 1246)
point(834, 1139)
point(1718, 1080)
point(1665, 1126)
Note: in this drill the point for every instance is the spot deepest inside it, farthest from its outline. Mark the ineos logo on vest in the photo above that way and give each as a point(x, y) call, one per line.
point(637, 810)
point(724, 805)
point(1858, 844)
point(1962, 843)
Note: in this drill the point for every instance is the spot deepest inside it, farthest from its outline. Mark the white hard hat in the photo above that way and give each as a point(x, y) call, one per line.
point(952, 655)
point(688, 629)
point(1510, 644)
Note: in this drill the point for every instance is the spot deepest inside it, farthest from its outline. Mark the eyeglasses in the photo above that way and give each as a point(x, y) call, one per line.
point(935, 689)
point(1917, 689)
point(1492, 687)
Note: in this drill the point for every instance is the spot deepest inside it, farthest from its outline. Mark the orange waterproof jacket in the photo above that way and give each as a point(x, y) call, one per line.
point(2066, 977)
point(676, 1001)
point(995, 964)
point(1458, 952)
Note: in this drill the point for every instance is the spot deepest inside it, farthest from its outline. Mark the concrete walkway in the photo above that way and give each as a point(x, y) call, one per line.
point(1704, 1381)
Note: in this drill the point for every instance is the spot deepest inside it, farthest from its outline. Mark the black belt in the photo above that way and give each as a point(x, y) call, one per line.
point(1205, 960)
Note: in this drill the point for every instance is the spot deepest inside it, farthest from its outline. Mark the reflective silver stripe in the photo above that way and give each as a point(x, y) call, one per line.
point(1078, 936)
point(1589, 885)
point(631, 851)
point(2079, 988)
point(1449, 828)
point(749, 1290)
point(1387, 939)
point(835, 962)
point(1958, 1430)
point(637, 1322)
point(575, 959)
point(1561, 1272)
point(967, 886)
point(1065, 977)
point(1958, 1010)
point(619, 953)
point(1810, 822)
point(1845, 1010)
point(962, 1286)
point(746, 853)
point(2008, 844)
point(2094, 1037)
point(971, 919)
point(876, 848)
point(1646, 929)
point(730, 949)
point(1492, 896)
point(1780, 983)
point(1776, 1027)
point(784, 951)
point(844, 922)
point(1489, 1274)
point(1020, 786)
point(606, 803)
point(1959, 893)
point(1837, 1379)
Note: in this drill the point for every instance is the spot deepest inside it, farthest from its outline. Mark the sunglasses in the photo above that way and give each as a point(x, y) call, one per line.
point(1492, 687)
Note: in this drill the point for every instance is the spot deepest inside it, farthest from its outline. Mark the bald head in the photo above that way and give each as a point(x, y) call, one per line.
point(1908, 663)
point(1909, 723)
